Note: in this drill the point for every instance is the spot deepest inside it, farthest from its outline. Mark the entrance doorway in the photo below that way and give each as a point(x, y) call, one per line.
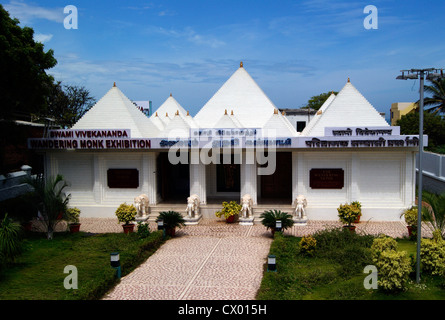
point(279, 184)
point(173, 180)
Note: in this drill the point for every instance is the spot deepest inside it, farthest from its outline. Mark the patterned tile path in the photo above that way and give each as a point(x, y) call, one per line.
point(212, 260)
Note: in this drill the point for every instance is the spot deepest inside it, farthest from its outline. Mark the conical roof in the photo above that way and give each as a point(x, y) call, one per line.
point(115, 111)
point(349, 109)
point(317, 115)
point(177, 127)
point(227, 121)
point(170, 106)
point(279, 126)
point(241, 94)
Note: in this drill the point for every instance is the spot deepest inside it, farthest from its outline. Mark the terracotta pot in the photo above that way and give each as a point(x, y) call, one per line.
point(351, 228)
point(230, 219)
point(128, 228)
point(74, 227)
point(170, 232)
point(27, 226)
point(411, 230)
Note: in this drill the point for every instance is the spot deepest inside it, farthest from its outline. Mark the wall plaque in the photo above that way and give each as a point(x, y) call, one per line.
point(326, 178)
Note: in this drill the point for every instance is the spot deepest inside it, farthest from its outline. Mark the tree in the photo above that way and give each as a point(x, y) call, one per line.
point(317, 101)
point(437, 101)
point(68, 103)
point(24, 83)
point(433, 126)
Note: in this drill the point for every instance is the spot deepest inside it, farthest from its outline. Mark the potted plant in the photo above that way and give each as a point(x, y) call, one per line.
point(172, 219)
point(126, 213)
point(270, 217)
point(230, 211)
point(410, 216)
point(73, 219)
point(347, 214)
point(359, 207)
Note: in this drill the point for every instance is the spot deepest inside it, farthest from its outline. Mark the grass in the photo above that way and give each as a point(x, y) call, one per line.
point(38, 274)
point(335, 272)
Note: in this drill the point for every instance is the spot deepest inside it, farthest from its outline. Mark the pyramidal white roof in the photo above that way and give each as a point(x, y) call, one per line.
point(115, 111)
point(279, 126)
point(318, 114)
point(170, 106)
point(228, 121)
point(177, 127)
point(241, 94)
point(349, 109)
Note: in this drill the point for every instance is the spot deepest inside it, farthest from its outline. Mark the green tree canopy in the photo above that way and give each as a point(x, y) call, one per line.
point(317, 101)
point(436, 103)
point(433, 126)
point(24, 83)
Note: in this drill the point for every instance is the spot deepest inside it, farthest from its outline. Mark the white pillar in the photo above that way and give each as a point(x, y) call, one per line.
point(97, 181)
point(355, 175)
point(295, 164)
point(248, 178)
point(198, 181)
point(149, 175)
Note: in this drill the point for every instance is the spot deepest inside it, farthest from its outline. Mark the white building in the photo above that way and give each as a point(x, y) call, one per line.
point(346, 153)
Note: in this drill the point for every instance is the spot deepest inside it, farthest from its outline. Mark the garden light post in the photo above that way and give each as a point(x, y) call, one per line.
point(431, 73)
point(271, 263)
point(115, 263)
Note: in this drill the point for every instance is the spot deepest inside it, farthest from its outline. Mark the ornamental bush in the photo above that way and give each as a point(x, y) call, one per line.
point(307, 245)
point(126, 213)
point(229, 209)
point(410, 216)
point(348, 213)
point(381, 244)
point(432, 256)
point(393, 268)
point(73, 215)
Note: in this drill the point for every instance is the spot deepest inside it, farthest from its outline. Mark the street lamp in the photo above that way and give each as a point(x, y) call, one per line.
point(431, 74)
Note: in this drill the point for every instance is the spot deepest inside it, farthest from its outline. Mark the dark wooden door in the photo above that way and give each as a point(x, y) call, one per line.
point(279, 184)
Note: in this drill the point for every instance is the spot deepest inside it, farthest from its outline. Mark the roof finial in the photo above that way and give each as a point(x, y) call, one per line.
point(241, 64)
point(177, 112)
point(156, 114)
point(349, 80)
point(171, 94)
point(114, 84)
point(188, 113)
point(225, 112)
point(283, 113)
point(275, 111)
point(166, 114)
point(231, 112)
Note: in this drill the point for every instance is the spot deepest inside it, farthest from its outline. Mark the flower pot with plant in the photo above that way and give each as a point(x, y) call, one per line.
point(172, 219)
point(126, 213)
point(230, 211)
point(269, 219)
point(348, 213)
point(410, 216)
point(72, 215)
point(359, 206)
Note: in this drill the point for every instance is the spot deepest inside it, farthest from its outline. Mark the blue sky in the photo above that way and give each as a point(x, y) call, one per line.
point(293, 49)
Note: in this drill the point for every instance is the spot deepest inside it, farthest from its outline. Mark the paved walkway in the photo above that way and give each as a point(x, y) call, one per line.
point(212, 260)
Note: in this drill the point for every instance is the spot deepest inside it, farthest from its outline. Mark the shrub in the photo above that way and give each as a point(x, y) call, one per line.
point(126, 213)
point(432, 256)
point(270, 217)
point(348, 213)
point(229, 209)
point(72, 215)
point(410, 216)
point(172, 219)
point(393, 268)
point(381, 244)
point(307, 245)
point(10, 242)
point(143, 230)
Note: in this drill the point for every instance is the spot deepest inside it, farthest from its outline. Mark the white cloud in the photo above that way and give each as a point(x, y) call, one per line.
point(28, 12)
point(43, 38)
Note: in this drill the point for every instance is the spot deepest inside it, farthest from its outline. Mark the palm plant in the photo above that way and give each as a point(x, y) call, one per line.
point(270, 217)
point(50, 199)
point(10, 244)
point(434, 213)
point(172, 219)
point(437, 101)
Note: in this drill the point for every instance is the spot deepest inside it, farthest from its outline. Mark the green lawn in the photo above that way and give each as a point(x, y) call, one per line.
point(336, 274)
point(39, 272)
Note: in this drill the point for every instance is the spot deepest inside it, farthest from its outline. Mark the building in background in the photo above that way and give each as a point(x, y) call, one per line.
point(399, 109)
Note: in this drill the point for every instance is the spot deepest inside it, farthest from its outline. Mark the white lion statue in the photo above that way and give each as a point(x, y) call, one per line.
point(192, 206)
point(301, 203)
point(141, 204)
point(247, 203)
